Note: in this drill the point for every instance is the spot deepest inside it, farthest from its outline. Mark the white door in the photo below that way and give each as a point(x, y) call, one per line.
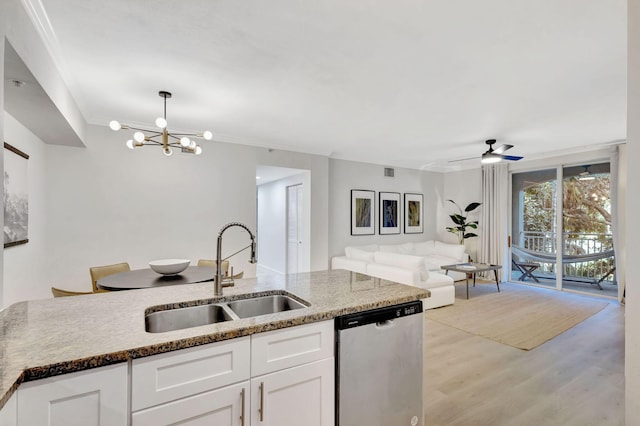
point(296, 396)
point(294, 228)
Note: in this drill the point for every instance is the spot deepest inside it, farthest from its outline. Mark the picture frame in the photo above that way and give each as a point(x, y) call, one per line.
point(413, 213)
point(362, 212)
point(389, 213)
point(16, 193)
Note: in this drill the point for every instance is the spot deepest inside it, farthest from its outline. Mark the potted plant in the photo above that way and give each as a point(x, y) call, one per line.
point(461, 223)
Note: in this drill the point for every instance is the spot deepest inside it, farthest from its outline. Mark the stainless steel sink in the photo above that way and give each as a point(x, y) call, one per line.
point(192, 316)
point(253, 307)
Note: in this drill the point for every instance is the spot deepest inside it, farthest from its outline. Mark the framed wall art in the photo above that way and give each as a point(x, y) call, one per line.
point(389, 215)
point(413, 218)
point(16, 197)
point(362, 212)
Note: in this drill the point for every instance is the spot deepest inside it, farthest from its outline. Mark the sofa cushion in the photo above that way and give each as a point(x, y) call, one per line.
point(454, 251)
point(358, 254)
point(348, 251)
point(406, 248)
point(424, 248)
point(414, 263)
point(343, 262)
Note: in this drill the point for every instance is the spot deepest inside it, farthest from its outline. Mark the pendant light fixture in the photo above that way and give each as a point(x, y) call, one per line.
point(162, 137)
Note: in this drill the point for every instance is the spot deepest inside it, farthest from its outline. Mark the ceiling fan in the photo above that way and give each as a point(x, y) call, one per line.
point(492, 155)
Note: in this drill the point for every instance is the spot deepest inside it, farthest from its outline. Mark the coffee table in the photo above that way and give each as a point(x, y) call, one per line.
point(473, 268)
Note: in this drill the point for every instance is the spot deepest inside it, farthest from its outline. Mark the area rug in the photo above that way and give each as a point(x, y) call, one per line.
point(519, 316)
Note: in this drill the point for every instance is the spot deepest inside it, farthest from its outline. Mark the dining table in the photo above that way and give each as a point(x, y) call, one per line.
point(148, 278)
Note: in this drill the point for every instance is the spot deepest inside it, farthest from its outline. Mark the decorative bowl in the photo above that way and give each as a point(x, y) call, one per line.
point(169, 266)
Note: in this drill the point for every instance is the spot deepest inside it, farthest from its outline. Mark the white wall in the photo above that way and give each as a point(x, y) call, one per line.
point(272, 223)
point(348, 175)
point(107, 204)
point(632, 316)
point(24, 280)
point(463, 187)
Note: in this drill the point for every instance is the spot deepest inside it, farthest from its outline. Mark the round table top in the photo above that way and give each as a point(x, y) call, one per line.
point(147, 278)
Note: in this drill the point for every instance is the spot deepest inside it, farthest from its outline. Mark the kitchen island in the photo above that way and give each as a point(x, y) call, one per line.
point(45, 338)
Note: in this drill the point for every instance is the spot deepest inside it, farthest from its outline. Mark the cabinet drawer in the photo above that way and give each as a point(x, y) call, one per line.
point(165, 377)
point(218, 407)
point(288, 347)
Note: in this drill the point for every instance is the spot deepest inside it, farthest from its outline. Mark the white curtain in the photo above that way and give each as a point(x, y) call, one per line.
point(494, 215)
point(618, 209)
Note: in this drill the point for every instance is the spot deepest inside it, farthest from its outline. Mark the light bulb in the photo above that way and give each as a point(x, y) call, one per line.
point(192, 145)
point(488, 159)
point(115, 125)
point(198, 150)
point(184, 141)
point(161, 122)
point(130, 144)
point(207, 135)
point(167, 151)
point(138, 136)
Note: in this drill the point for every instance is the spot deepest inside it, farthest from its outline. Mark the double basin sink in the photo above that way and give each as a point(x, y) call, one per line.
point(193, 316)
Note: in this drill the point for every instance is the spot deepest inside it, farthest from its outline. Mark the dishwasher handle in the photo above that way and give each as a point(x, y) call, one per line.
point(378, 315)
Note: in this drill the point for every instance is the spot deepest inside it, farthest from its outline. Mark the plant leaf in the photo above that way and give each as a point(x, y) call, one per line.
point(470, 234)
point(471, 207)
point(457, 219)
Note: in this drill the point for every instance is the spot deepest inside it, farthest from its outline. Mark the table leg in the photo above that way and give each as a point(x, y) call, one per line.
point(474, 279)
point(467, 287)
point(495, 271)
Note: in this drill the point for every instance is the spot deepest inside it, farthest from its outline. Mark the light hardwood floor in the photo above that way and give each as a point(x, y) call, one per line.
point(575, 379)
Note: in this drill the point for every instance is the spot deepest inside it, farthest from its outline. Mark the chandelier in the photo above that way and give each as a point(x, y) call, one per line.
point(163, 137)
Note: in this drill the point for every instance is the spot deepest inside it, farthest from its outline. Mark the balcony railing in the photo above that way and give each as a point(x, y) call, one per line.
point(574, 243)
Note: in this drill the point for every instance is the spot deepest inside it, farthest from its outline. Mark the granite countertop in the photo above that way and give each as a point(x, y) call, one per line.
point(43, 338)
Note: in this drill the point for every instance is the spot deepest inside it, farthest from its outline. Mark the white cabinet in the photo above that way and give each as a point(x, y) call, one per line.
point(287, 375)
point(166, 377)
point(90, 397)
point(222, 407)
point(9, 413)
point(206, 384)
point(292, 374)
point(279, 349)
point(302, 395)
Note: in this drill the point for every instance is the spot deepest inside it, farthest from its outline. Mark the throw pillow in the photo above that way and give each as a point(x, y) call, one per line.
point(358, 254)
point(406, 248)
point(424, 248)
point(371, 248)
point(454, 251)
point(406, 261)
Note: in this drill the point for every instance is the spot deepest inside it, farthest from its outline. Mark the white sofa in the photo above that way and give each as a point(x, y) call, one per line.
point(416, 264)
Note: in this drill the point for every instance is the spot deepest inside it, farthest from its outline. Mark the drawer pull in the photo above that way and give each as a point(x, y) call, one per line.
point(261, 408)
point(242, 408)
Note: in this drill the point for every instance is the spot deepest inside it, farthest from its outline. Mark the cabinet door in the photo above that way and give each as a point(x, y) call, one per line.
point(87, 398)
point(166, 377)
point(223, 407)
point(301, 395)
point(9, 413)
point(288, 347)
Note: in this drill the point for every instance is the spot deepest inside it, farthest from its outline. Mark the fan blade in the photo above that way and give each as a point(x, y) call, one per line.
point(502, 148)
point(512, 157)
point(463, 159)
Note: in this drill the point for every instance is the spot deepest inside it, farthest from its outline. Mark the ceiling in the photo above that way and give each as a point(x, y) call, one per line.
point(404, 83)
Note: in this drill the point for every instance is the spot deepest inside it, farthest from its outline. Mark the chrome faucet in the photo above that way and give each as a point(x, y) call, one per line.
point(220, 280)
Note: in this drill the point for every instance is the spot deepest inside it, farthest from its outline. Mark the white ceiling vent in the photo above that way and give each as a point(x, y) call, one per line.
point(389, 172)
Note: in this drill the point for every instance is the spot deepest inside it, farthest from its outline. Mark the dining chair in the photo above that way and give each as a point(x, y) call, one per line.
point(212, 263)
point(98, 272)
point(58, 292)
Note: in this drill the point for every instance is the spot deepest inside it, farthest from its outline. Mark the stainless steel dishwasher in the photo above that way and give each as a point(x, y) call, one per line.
point(379, 367)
